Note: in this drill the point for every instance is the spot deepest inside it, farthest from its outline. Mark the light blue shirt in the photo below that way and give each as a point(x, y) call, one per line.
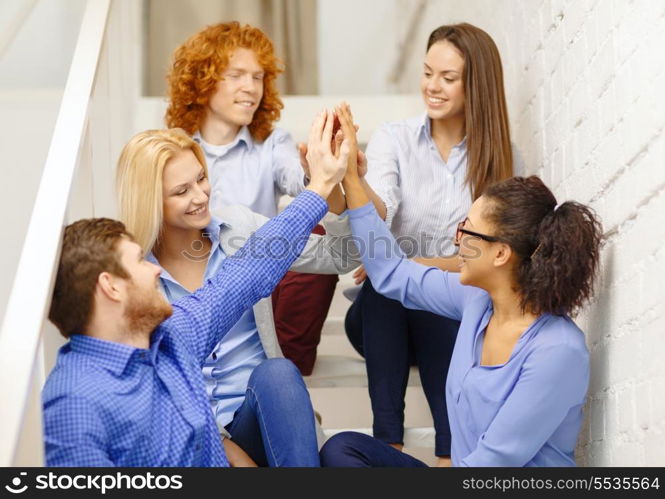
point(253, 174)
point(425, 196)
point(227, 369)
point(526, 412)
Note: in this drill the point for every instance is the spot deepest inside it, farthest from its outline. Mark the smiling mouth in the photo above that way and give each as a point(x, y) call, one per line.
point(435, 100)
point(198, 211)
point(246, 103)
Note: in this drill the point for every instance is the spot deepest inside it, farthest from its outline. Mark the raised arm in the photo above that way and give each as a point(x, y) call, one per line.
point(382, 182)
point(391, 273)
point(254, 271)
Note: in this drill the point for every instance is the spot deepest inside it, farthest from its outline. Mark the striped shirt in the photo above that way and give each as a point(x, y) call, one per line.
point(425, 196)
point(253, 174)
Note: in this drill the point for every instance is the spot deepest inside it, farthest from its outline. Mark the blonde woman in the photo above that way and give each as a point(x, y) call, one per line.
point(164, 193)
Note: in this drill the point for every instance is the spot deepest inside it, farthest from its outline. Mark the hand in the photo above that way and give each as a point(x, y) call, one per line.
point(362, 164)
point(237, 457)
point(326, 169)
point(444, 462)
point(302, 151)
point(349, 131)
point(337, 143)
point(359, 275)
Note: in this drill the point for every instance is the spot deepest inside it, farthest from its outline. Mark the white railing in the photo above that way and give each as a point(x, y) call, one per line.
point(93, 122)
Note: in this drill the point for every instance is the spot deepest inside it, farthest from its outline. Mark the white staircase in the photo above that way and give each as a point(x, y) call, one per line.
point(338, 386)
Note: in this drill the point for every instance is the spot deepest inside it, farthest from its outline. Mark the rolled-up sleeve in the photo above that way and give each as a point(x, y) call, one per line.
point(383, 170)
point(288, 174)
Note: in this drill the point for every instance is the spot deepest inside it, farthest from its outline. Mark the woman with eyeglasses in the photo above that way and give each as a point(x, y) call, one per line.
point(520, 368)
point(425, 173)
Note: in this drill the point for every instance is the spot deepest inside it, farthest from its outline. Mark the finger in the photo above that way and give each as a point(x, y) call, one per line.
point(358, 271)
point(346, 121)
point(316, 128)
point(302, 152)
point(326, 136)
point(344, 151)
point(361, 158)
point(339, 138)
point(361, 278)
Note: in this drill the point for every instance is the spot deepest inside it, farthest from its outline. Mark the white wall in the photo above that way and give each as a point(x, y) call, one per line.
point(33, 72)
point(41, 53)
point(356, 45)
point(585, 82)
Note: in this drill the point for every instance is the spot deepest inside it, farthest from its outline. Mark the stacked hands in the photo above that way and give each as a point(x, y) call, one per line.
point(331, 156)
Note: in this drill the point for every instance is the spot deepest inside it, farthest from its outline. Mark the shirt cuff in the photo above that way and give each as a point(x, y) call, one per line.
point(362, 211)
point(337, 225)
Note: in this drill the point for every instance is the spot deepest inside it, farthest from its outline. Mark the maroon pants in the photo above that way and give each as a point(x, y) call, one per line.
point(301, 303)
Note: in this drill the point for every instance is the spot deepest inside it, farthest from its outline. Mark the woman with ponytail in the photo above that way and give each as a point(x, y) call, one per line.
point(424, 173)
point(520, 368)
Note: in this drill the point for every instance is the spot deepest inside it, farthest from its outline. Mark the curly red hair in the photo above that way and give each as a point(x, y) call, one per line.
point(198, 64)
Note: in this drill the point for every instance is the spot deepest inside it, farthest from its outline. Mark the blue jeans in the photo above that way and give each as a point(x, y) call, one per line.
point(391, 338)
point(275, 424)
point(350, 449)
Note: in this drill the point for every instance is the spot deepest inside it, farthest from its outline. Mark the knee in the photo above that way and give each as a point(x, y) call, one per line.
point(340, 450)
point(279, 370)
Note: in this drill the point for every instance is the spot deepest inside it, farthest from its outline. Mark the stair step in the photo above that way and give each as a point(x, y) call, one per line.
point(422, 437)
point(337, 344)
point(332, 371)
point(350, 407)
point(334, 325)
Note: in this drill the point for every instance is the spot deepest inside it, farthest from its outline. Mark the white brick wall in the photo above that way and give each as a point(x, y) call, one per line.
point(585, 84)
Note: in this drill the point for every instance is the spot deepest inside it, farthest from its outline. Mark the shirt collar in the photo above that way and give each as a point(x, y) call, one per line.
point(243, 136)
point(425, 132)
point(107, 354)
point(212, 230)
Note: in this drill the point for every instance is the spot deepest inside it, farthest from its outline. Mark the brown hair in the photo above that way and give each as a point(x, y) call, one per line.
point(198, 65)
point(89, 247)
point(558, 249)
point(486, 116)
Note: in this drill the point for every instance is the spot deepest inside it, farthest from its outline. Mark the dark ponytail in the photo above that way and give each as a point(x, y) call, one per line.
point(558, 246)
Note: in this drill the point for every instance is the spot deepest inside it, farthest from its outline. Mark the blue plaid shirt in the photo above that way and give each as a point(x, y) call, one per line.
point(110, 404)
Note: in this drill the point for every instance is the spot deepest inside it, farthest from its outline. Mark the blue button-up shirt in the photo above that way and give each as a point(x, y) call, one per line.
point(253, 174)
point(110, 404)
point(526, 412)
point(227, 369)
point(425, 196)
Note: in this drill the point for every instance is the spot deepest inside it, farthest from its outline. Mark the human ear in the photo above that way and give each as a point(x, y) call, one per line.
point(502, 255)
point(110, 286)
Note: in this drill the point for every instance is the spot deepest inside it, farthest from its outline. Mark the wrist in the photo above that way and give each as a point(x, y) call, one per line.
point(321, 187)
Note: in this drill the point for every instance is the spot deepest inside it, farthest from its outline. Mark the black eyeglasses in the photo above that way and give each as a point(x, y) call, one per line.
point(461, 230)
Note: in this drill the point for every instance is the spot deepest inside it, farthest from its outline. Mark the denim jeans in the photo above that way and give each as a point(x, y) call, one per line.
point(392, 338)
point(350, 449)
point(275, 424)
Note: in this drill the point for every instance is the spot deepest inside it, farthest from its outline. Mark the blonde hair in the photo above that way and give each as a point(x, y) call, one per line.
point(139, 180)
